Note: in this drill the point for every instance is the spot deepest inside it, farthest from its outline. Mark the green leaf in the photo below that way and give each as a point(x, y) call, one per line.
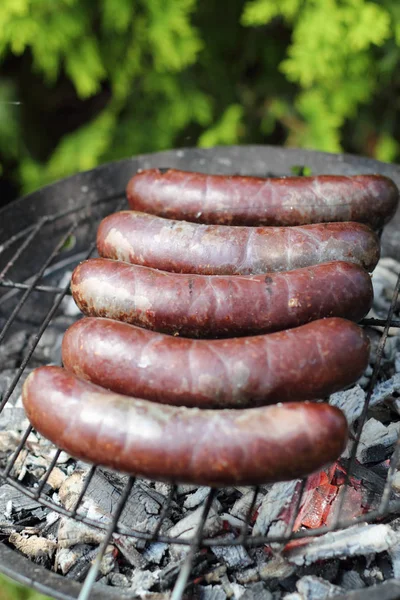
point(261, 12)
point(387, 148)
point(226, 131)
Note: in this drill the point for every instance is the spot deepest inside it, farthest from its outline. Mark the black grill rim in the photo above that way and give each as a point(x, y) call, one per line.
point(79, 194)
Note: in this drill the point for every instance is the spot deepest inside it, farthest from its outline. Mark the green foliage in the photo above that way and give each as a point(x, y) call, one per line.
point(13, 591)
point(147, 75)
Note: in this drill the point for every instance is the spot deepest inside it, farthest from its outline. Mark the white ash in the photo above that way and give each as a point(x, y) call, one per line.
point(234, 522)
point(354, 541)
point(311, 587)
point(196, 498)
point(242, 505)
point(143, 581)
point(277, 498)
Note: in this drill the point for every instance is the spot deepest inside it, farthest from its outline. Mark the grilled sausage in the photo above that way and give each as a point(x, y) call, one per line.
point(184, 247)
point(227, 447)
point(236, 200)
point(218, 305)
point(311, 361)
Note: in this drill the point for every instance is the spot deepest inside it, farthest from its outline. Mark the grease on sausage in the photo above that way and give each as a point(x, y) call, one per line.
point(308, 362)
point(238, 200)
point(218, 305)
point(183, 247)
point(228, 447)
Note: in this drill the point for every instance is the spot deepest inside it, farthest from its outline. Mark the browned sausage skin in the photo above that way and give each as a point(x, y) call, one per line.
point(218, 305)
point(308, 362)
point(183, 247)
point(237, 200)
point(228, 447)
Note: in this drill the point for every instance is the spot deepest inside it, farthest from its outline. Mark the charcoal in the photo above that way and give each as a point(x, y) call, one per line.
point(71, 532)
point(197, 498)
point(373, 575)
point(108, 560)
point(143, 581)
point(354, 541)
point(7, 376)
point(275, 501)
point(351, 402)
point(375, 441)
point(33, 546)
point(351, 580)
point(56, 478)
point(277, 567)
point(215, 575)
point(142, 509)
point(164, 488)
point(231, 589)
point(119, 580)
point(257, 591)
point(314, 588)
point(394, 553)
point(11, 351)
point(66, 558)
point(22, 505)
point(48, 349)
point(13, 419)
point(187, 527)
point(232, 556)
point(169, 573)
point(71, 488)
point(155, 552)
point(81, 568)
point(211, 592)
point(127, 548)
point(242, 505)
point(247, 576)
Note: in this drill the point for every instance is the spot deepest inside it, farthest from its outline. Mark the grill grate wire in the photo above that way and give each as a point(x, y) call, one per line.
point(81, 215)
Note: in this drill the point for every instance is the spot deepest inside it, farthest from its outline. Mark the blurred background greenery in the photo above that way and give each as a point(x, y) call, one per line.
point(84, 82)
point(98, 81)
point(9, 590)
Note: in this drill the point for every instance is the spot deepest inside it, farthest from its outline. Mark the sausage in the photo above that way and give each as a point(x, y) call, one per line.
point(237, 200)
point(218, 305)
point(183, 247)
point(185, 445)
point(308, 362)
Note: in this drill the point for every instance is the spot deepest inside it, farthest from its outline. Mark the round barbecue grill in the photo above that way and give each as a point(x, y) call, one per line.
point(43, 236)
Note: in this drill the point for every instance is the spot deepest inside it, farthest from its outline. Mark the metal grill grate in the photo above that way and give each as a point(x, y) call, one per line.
point(56, 228)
